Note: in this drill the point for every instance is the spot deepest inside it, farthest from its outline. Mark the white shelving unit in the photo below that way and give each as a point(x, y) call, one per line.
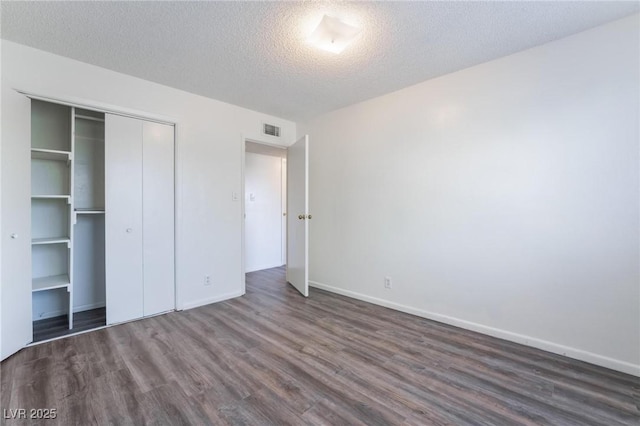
point(51, 199)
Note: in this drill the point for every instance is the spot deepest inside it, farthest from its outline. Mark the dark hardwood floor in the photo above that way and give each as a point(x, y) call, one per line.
point(59, 326)
point(273, 357)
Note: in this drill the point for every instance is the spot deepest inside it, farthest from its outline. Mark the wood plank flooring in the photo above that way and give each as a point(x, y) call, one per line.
point(273, 357)
point(59, 326)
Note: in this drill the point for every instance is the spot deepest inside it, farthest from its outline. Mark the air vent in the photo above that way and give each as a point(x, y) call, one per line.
point(271, 130)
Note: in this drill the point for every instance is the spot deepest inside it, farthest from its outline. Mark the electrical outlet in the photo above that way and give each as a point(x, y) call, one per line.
point(387, 282)
point(207, 280)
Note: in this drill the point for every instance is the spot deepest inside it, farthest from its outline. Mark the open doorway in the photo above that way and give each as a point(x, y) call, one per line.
point(265, 192)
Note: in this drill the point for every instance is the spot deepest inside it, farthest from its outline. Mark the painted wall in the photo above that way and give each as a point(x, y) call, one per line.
point(503, 198)
point(263, 209)
point(210, 136)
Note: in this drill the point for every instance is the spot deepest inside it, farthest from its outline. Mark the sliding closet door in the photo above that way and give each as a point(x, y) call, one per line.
point(158, 221)
point(123, 218)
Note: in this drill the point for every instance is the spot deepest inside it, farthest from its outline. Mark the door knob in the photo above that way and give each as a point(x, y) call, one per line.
point(301, 216)
point(129, 230)
point(308, 216)
point(14, 236)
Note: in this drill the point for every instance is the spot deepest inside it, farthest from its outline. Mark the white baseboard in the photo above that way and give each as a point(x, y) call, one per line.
point(81, 308)
point(189, 305)
point(556, 348)
point(89, 306)
point(219, 298)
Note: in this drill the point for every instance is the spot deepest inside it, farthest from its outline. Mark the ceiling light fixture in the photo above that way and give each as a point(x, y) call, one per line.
point(333, 35)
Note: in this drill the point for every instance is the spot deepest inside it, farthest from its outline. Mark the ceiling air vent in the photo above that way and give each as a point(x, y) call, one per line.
point(271, 130)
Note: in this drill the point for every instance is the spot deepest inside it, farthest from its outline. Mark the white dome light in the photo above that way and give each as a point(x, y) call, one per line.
point(333, 35)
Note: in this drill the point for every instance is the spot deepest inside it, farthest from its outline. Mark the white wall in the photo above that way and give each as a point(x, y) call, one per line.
point(263, 209)
point(209, 136)
point(502, 198)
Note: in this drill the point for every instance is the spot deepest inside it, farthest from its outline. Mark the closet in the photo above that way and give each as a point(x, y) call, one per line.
point(102, 218)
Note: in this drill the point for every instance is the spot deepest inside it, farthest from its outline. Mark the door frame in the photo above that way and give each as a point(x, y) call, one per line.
point(243, 152)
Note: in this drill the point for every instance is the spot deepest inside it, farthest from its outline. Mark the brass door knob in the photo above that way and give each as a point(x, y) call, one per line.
point(301, 216)
point(308, 216)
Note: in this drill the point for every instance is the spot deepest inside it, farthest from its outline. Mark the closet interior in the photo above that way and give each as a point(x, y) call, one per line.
point(67, 219)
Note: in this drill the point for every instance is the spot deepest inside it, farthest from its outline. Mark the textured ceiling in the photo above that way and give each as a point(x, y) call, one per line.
point(254, 54)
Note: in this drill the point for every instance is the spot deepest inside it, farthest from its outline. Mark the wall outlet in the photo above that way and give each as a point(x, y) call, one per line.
point(207, 280)
point(387, 282)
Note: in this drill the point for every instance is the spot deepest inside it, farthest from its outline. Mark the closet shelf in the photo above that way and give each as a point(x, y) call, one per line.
point(89, 211)
point(87, 117)
point(50, 154)
point(57, 240)
point(50, 283)
point(52, 197)
point(80, 138)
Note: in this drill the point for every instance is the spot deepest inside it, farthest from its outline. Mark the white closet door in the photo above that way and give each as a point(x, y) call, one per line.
point(158, 218)
point(15, 258)
point(123, 218)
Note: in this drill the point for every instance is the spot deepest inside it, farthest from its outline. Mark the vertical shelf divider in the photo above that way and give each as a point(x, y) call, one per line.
point(71, 214)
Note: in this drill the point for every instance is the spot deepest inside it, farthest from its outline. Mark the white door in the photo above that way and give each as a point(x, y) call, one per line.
point(298, 215)
point(123, 218)
point(15, 278)
point(158, 221)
